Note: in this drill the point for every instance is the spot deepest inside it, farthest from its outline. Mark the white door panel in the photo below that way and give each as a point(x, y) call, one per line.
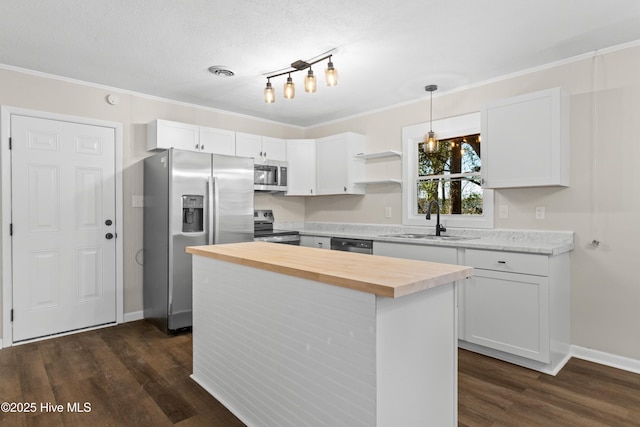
point(63, 206)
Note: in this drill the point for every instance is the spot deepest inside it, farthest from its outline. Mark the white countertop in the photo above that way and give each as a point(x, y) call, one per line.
point(525, 241)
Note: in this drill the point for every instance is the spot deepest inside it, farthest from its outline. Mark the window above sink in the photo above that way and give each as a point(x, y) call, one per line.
point(450, 175)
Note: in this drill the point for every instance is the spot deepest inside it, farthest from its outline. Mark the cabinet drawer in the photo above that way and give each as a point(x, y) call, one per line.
point(508, 261)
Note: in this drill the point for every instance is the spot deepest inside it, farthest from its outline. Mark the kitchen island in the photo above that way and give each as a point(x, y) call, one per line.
point(293, 336)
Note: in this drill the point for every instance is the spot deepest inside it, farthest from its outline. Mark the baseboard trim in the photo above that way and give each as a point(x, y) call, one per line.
point(133, 316)
point(608, 359)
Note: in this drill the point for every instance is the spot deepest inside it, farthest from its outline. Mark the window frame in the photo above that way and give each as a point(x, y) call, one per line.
point(447, 128)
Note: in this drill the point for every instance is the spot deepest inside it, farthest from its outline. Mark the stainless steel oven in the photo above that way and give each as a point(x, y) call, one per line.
point(264, 232)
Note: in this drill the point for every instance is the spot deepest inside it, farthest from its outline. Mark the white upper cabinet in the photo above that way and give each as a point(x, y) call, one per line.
point(525, 141)
point(217, 141)
point(260, 147)
point(165, 134)
point(338, 168)
point(274, 148)
point(301, 157)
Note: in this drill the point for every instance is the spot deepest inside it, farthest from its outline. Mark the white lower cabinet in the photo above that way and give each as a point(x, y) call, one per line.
point(417, 252)
point(316, 242)
point(508, 312)
point(516, 307)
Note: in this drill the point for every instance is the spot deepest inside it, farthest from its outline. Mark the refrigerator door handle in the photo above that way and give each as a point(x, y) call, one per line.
point(214, 217)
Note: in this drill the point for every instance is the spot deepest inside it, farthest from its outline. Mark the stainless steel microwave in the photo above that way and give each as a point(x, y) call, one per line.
point(270, 175)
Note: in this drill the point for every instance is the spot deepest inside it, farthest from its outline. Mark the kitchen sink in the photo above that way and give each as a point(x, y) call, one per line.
point(429, 236)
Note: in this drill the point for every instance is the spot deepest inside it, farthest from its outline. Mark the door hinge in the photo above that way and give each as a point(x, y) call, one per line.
point(9, 143)
point(11, 229)
point(12, 314)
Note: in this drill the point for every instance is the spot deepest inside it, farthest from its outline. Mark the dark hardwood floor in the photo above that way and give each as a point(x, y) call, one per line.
point(134, 375)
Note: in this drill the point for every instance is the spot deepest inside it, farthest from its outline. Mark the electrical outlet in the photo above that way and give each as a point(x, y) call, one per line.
point(137, 201)
point(503, 212)
point(540, 212)
point(387, 212)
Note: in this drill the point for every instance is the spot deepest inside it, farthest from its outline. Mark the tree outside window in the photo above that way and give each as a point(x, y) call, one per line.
point(451, 175)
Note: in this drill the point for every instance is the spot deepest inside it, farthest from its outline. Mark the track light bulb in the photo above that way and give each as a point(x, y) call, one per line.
point(289, 88)
point(310, 82)
point(269, 94)
point(331, 74)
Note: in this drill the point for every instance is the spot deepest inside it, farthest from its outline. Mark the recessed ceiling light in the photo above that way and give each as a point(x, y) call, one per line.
point(220, 70)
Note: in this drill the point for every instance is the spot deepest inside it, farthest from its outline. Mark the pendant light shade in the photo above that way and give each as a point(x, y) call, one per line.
point(331, 74)
point(310, 82)
point(269, 94)
point(289, 88)
point(431, 144)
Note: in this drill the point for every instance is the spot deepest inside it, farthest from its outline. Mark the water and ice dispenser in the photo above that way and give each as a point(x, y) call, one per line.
point(192, 214)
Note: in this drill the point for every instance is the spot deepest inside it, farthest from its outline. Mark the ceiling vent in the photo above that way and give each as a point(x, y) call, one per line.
point(220, 70)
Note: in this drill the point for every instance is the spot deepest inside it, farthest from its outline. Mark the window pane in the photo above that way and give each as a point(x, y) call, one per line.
point(461, 196)
point(454, 155)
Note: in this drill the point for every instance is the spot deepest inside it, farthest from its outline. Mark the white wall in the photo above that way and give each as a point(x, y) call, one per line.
point(36, 92)
point(602, 203)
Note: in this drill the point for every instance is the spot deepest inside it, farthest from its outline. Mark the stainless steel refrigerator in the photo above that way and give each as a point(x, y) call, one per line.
point(190, 199)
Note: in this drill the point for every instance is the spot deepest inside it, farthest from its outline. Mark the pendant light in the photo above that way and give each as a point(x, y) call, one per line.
point(431, 144)
point(269, 93)
point(310, 82)
point(289, 88)
point(331, 74)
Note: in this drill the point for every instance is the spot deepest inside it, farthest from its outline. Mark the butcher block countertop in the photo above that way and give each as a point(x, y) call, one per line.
point(382, 276)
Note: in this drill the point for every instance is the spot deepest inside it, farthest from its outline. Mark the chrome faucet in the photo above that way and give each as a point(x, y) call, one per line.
point(439, 227)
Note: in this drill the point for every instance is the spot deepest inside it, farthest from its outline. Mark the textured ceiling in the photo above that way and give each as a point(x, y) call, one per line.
point(386, 51)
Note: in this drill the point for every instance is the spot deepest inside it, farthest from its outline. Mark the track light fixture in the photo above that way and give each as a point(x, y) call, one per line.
point(310, 85)
point(431, 143)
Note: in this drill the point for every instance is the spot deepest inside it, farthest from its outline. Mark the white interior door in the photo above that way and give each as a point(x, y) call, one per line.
point(63, 219)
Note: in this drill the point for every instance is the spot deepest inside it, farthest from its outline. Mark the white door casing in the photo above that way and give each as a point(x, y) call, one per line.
point(60, 271)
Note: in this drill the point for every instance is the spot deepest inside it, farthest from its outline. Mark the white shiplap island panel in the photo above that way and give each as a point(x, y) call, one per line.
point(283, 350)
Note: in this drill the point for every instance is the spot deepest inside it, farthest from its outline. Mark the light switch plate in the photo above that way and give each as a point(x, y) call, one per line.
point(137, 201)
point(387, 212)
point(503, 212)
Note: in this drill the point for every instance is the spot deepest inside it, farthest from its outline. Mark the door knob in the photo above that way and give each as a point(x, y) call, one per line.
point(109, 236)
point(108, 222)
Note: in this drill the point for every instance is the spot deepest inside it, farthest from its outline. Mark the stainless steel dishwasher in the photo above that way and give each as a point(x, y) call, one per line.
point(352, 245)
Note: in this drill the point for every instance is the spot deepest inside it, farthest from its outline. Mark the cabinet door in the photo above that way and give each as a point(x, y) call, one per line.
point(525, 141)
point(306, 241)
point(301, 157)
point(164, 134)
point(274, 148)
point(332, 165)
point(217, 141)
point(249, 145)
point(316, 242)
point(508, 312)
point(418, 252)
point(322, 242)
point(338, 168)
